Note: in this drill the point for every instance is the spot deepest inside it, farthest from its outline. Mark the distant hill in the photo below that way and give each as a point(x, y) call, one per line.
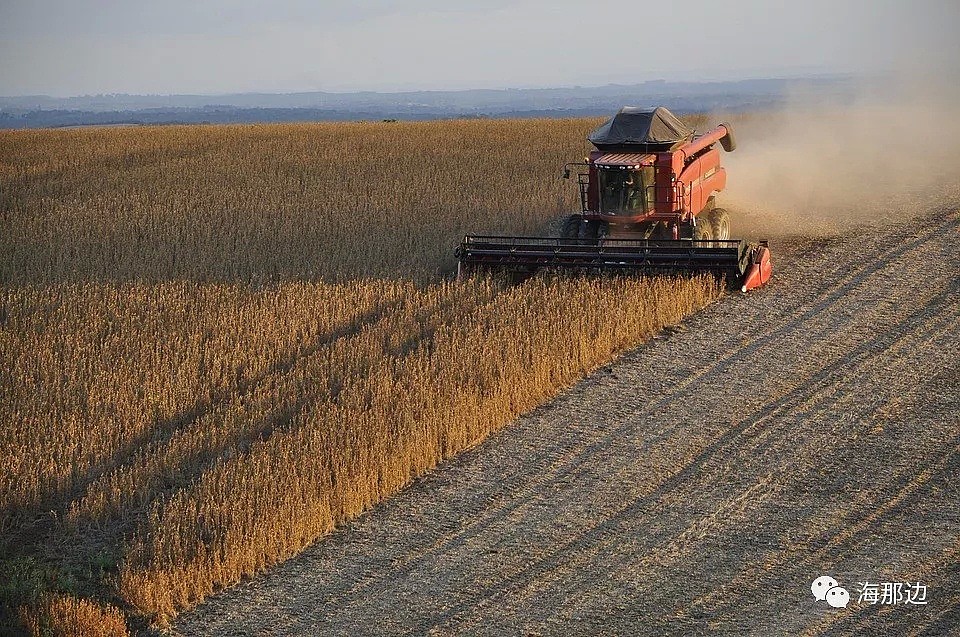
point(44, 111)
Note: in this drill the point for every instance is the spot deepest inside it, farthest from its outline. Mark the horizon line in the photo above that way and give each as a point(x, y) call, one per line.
point(810, 76)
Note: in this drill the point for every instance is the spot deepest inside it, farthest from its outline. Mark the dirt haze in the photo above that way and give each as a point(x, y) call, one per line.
point(701, 482)
point(834, 167)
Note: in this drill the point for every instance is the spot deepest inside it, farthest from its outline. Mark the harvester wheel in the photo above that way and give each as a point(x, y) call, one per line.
point(720, 221)
point(703, 231)
point(571, 227)
point(592, 230)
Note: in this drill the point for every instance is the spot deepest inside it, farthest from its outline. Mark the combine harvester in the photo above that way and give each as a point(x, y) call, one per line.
point(648, 206)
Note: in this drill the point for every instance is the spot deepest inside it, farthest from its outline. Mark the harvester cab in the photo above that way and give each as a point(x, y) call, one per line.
point(625, 191)
point(648, 204)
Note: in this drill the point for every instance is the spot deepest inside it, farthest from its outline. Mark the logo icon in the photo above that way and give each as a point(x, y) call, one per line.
point(827, 589)
point(821, 585)
point(838, 597)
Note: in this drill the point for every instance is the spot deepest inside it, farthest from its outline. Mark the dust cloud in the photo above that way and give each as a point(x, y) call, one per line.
point(823, 165)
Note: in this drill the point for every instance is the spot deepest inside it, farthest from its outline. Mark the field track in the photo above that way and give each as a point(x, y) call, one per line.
point(698, 484)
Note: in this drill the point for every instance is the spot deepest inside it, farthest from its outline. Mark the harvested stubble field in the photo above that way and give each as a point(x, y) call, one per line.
point(221, 342)
point(696, 486)
point(701, 482)
point(217, 353)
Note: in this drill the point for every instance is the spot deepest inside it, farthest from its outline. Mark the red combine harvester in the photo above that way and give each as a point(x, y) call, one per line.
point(647, 205)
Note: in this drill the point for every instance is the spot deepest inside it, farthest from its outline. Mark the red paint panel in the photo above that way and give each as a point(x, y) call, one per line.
point(759, 271)
point(666, 199)
point(704, 141)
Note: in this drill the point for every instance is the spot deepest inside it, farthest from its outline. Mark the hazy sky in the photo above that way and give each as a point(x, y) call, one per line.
point(72, 47)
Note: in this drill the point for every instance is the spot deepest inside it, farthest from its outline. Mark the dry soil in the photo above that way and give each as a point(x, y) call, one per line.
point(698, 484)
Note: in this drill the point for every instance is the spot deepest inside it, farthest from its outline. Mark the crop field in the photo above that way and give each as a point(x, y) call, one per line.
point(695, 486)
point(220, 343)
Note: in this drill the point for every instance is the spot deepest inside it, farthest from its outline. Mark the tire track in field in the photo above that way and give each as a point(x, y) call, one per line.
point(767, 449)
point(859, 522)
point(864, 521)
point(566, 464)
point(864, 617)
point(480, 544)
point(798, 563)
point(854, 521)
point(585, 547)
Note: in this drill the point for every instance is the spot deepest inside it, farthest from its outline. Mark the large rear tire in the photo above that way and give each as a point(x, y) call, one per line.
point(720, 222)
point(591, 230)
point(571, 227)
point(703, 231)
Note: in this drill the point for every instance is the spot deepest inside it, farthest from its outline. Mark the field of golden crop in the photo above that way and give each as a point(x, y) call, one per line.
point(221, 342)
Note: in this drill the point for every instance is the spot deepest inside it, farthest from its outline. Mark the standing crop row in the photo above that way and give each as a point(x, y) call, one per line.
point(221, 342)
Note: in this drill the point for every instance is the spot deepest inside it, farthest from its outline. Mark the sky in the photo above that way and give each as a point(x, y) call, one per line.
point(85, 47)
